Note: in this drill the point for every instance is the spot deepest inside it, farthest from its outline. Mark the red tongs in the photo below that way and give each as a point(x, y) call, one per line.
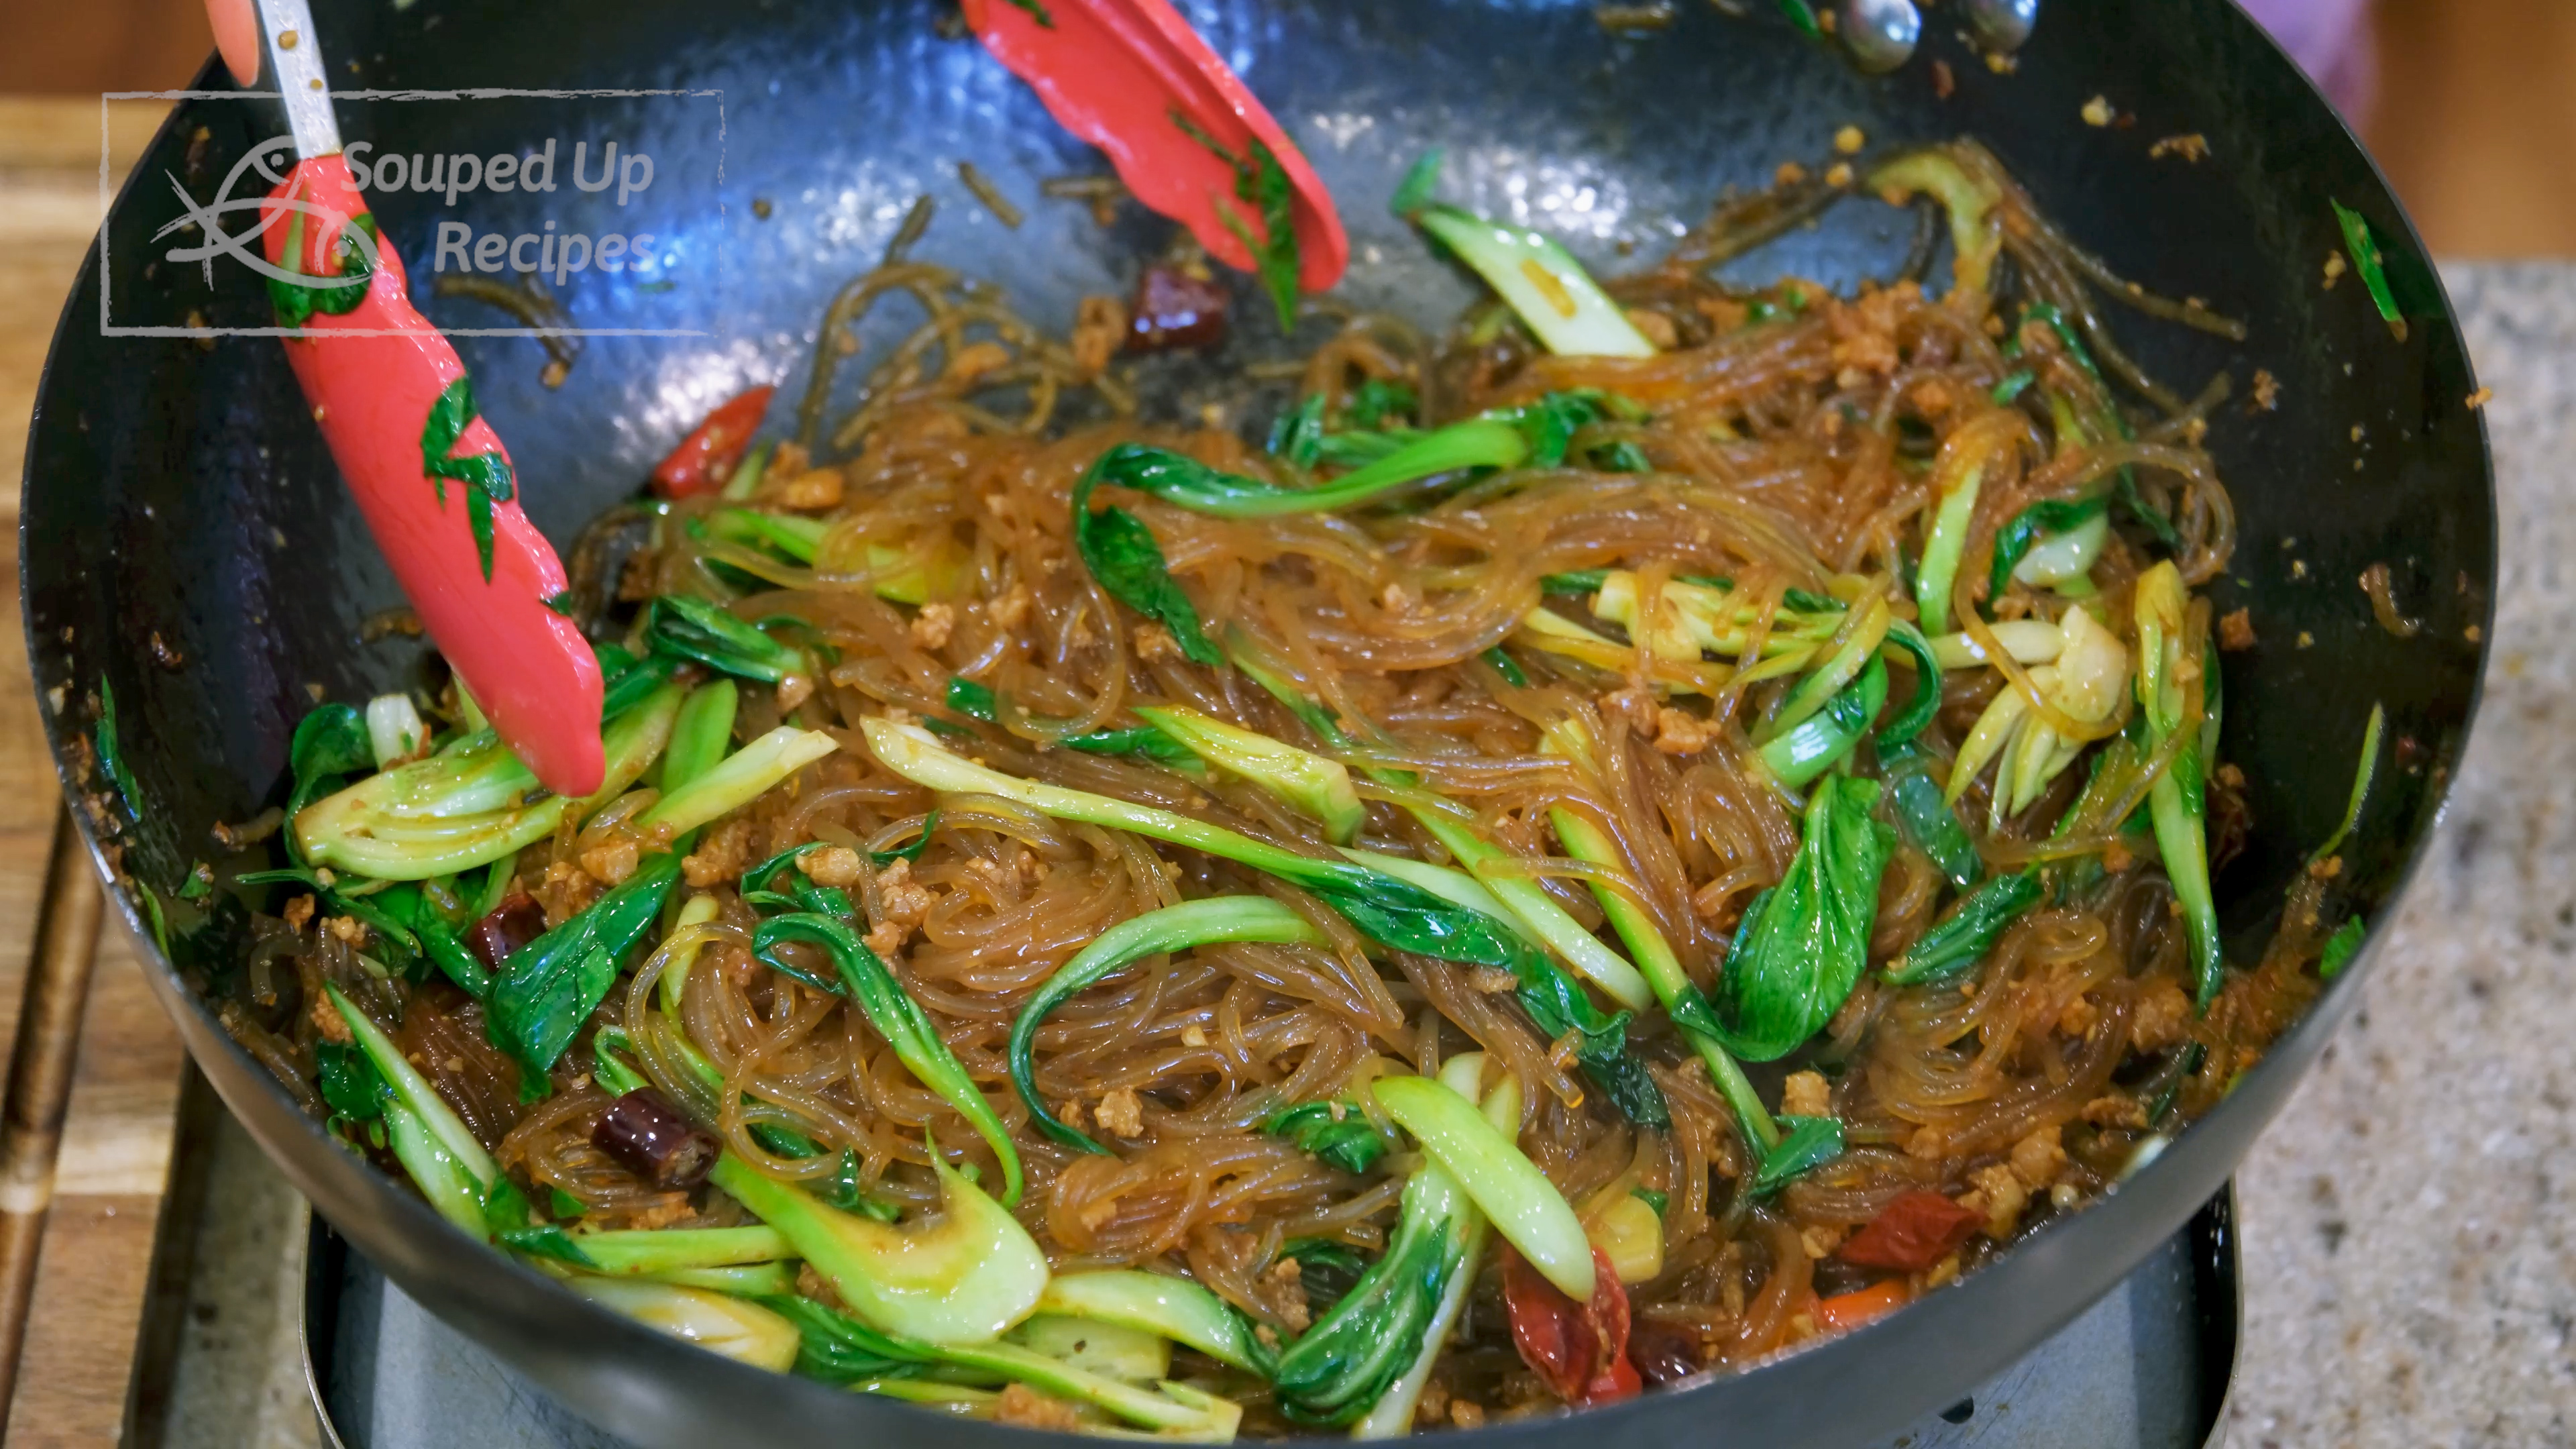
point(397, 409)
point(1132, 78)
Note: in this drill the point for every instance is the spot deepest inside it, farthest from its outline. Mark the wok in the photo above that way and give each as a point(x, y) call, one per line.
point(177, 487)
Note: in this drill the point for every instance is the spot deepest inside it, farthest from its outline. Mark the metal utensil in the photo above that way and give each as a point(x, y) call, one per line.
point(1880, 34)
point(2002, 25)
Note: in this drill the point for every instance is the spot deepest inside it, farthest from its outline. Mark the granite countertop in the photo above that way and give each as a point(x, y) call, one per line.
point(2409, 1265)
point(2409, 1270)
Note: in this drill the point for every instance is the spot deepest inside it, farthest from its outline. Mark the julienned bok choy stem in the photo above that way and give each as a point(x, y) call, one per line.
point(1521, 900)
point(1511, 1192)
point(839, 1348)
point(1682, 1000)
point(2171, 690)
point(1448, 924)
point(1541, 281)
point(433, 1144)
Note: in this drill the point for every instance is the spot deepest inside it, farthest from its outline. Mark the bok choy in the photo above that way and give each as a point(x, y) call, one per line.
point(840, 1348)
point(1682, 999)
point(1161, 1304)
point(1512, 1193)
point(1174, 928)
point(960, 1280)
point(1539, 279)
point(1396, 912)
point(1803, 944)
point(739, 1329)
point(470, 804)
point(864, 979)
point(1366, 1360)
point(2170, 693)
point(1320, 787)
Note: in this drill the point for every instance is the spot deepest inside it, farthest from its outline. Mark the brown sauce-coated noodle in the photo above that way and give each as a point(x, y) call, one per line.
point(1795, 451)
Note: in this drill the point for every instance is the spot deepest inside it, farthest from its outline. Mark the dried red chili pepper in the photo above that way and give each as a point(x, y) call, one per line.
point(513, 923)
point(705, 459)
point(1580, 1351)
point(646, 1133)
point(1909, 1235)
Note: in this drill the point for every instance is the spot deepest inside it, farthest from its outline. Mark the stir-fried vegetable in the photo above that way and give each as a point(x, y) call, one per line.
point(550, 986)
point(470, 804)
point(1260, 184)
point(2367, 263)
point(1805, 1143)
point(1923, 817)
point(1174, 928)
point(1958, 475)
point(2051, 543)
point(2169, 695)
point(639, 1252)
point(2084, 685)
point(1556, 1003)
point(1520, 1202)
point(1973, 204)
point(1396, 912)
point(1188, 483)
point(903, 575)
point(1962, 938)
point(718, 1322)
point(1158, 1303)
point(744, 776)
point(839, 1348)
point(1692, 616)
point(433, 1144)
point(687, 628)
point(863, 978)
point(1109, 1350)
point(1540, 280)
point(1121, 553)
point(1337, 1132)
point(1797, 757)
point(1318, 786)
point(977, 702)
point(1682, 1000)
point(960, 1280)
point(1365, 1362)
point(394, 730)
point(1513, 897)
point(1803, 943)
point(700, 734)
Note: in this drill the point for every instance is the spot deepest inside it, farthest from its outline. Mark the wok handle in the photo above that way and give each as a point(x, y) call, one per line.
point(40, 1078)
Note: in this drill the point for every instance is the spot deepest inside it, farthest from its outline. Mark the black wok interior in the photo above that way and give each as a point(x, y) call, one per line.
point(177, 487)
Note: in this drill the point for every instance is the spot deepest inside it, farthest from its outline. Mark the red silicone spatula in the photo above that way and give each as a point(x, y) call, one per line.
point(395, 405)
point(1125, 75)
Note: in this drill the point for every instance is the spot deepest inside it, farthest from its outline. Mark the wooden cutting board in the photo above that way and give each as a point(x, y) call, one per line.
point(92, 1282)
